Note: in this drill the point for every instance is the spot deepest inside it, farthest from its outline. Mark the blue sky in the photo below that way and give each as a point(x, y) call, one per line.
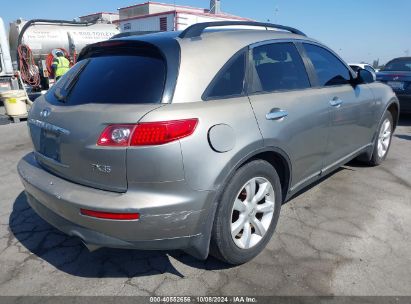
point(359, 30)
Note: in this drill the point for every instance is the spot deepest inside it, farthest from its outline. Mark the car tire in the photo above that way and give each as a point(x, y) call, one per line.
point(384, 134)
point(260, 217)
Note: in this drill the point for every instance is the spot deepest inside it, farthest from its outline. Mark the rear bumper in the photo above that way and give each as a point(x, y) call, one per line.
point(92, 237)
point(172, 215)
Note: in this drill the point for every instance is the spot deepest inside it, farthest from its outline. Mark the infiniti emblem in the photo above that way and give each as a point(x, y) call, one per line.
point(45, 113)
point(396, 78)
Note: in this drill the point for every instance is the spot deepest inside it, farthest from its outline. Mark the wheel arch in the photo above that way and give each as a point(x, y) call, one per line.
point(276, 157)
point(200, 248)
point(394, 108)
point(280, 163)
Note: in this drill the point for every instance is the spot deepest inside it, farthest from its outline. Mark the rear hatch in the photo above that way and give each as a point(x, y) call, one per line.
point(397, 74)
point(114, 83)
point(399, 81)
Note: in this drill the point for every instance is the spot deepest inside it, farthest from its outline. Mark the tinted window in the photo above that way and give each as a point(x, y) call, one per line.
point(399, 64)
point(330, 70)
point(231, 80)
point(122, 79)
point(278, 66)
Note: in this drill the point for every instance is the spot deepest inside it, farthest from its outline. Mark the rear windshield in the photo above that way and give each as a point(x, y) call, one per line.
point(402, 64)
point(124, 78)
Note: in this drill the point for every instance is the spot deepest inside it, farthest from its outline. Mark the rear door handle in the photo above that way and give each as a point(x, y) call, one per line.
point(276, 114)
point(336, 102)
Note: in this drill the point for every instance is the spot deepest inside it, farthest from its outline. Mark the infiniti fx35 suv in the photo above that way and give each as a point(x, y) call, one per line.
point(193, 140)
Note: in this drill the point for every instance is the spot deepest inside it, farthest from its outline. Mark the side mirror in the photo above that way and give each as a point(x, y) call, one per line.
point(364, 76)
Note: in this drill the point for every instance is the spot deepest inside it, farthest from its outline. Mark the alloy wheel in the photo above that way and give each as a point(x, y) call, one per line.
point(252, 212)
point(384, 138)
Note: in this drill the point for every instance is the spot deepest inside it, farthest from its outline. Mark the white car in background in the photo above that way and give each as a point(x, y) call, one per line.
point(365, 66)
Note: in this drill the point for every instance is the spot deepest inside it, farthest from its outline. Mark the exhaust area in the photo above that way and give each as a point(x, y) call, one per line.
point(91, 247)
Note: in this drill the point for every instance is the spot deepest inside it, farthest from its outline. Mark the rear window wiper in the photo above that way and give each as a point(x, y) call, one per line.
point(62, 91)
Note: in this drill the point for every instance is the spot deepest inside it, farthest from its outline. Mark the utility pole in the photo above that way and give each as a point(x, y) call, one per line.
point(276, 11)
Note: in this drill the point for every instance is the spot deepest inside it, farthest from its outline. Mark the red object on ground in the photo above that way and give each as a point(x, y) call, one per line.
point(28, 69)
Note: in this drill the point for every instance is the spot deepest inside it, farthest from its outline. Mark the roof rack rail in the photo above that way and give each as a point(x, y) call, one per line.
point(197, 29)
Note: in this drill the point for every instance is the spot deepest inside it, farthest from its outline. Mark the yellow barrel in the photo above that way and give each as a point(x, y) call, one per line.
point(14, 102)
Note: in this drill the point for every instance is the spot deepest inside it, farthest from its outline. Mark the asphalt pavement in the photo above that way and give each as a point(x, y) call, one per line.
point(350, 234)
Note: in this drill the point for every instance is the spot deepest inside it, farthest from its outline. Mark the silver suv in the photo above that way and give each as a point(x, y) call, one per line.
point(193, 140)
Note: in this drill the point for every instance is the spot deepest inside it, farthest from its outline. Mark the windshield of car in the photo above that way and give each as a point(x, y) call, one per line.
point(400, 64)
point(114, 78)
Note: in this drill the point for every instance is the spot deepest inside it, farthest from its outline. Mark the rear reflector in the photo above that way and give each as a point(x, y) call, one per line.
point(147, 133)
point(111, 216)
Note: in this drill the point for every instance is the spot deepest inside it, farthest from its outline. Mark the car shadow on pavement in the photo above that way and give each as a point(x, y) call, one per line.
point(68, 254)
point(405, 120)
point(405, 137)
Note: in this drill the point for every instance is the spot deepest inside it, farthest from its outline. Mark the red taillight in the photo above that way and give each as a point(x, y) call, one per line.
point(147, 133)
point(162, 132)
point(110, 216)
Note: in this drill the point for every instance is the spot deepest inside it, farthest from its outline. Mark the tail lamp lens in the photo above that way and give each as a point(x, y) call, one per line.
point(116, 135)
point(147, 133)
point(158, 133)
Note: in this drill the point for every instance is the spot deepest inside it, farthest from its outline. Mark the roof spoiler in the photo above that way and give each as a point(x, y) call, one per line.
point(197, 29)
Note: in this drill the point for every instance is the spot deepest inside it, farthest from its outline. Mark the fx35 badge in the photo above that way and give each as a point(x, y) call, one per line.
point(101, 168)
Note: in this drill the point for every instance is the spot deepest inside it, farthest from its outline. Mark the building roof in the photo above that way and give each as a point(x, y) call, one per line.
point(176, 9)
point(165, 4)
point(223, 16)
point(99, 13)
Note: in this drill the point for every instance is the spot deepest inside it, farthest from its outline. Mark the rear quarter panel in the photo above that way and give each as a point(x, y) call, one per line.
point(384, 97)
point(204, 168)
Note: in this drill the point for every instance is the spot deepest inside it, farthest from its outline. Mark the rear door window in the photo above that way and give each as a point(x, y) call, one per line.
point(329, 69)
point(230, 81)
point(278, 67)
point(113, 78)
